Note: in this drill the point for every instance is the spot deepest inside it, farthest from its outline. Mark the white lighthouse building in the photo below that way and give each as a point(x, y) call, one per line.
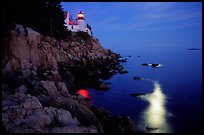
point(77, 25)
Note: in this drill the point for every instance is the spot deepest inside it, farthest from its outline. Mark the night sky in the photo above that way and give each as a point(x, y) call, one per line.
point(123, 26)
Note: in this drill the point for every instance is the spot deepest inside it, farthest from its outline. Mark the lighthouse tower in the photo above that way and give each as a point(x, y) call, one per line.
point(77, 25)
point(81, 21)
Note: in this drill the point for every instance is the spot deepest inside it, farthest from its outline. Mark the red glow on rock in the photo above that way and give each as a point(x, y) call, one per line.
point(83, 92)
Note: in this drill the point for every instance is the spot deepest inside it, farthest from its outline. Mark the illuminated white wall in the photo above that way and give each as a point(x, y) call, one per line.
point(82, 26)
point(74, 28)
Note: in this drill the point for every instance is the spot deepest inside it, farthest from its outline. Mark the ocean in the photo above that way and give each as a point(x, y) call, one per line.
point(173, 100)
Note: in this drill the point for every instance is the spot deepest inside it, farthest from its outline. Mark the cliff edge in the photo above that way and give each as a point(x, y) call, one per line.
point(40, 76)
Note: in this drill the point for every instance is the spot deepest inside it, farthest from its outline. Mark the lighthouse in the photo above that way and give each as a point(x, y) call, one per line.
point(77, 25)
point(81, 21)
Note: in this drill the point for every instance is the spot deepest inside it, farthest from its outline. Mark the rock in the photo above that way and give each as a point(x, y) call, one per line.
point(32, 103)
point(82, 94)
point(104, 86)
point(112, 124)
point(33, 74)
point(122, 71)
point(7, 67)
point(50, 88)
point(122, 60)
point(125, 124)
point(90, 73)
point(119, 67)
point(192, 49)
point(155, 65)
point(84, 62)
point(137, 78)
point(21, 89)
point(47, 67)
point(84, 115)
point(63, 57)
point(70, 77)
point(65, 119)
point(18, 111)
point(83, 99)
point(109, 51)
point(62, 88)
point(26, 73)
point(56, 75)
point(36, 87)
point(145, 64)
point(38, 119)
point(53, 63)
point(32, 118)
point(137, 94)
point(108, 82)
point(33, 36)
point(150, 128)
point(76, 59)
point(73, 129)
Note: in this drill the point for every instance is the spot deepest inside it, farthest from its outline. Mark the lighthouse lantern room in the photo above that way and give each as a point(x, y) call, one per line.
point(77, 25)
point(80, 15)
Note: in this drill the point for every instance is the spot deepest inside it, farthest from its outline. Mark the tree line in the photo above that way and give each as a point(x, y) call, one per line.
point(44, 17)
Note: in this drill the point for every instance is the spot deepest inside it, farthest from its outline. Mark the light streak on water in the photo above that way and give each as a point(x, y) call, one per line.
point(154, 117)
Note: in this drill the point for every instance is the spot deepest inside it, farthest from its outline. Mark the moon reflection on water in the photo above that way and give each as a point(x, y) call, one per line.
point(154, 117)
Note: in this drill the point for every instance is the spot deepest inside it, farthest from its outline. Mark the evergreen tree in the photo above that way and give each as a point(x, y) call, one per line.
point(56, 17)
point(45, 17)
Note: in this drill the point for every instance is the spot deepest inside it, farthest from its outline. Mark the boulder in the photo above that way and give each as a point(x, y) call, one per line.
point(122, 71)
point(28, 116)
point(50, 88)
point(81, 112)
point(137, 94)
point(21, 89)
point(65, 118)
point(83, 99)
point(104, 86)
point(119, 67)
point(150, 128)
point(145, 64)
point(62, 88)
point(84, 62)
point(122, 60)
point(114, 124)
point(63, 57)
point(155, 65)
point(70, 77)
point(26, 73)
point(32, 103)
point(55, 74)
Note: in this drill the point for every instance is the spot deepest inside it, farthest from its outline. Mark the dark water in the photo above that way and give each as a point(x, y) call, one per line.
point(175, 91)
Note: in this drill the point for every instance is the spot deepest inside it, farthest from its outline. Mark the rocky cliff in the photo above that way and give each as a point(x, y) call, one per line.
point(40, 78)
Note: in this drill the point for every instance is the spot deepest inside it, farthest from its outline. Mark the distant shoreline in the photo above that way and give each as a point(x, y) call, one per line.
point(192, 49)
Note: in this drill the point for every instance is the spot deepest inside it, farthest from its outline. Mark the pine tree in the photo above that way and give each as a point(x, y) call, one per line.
point(56, 17)
point(45, 17)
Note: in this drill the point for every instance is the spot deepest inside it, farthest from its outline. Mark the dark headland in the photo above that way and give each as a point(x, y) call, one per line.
point(43, 66)
point(40, 76)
